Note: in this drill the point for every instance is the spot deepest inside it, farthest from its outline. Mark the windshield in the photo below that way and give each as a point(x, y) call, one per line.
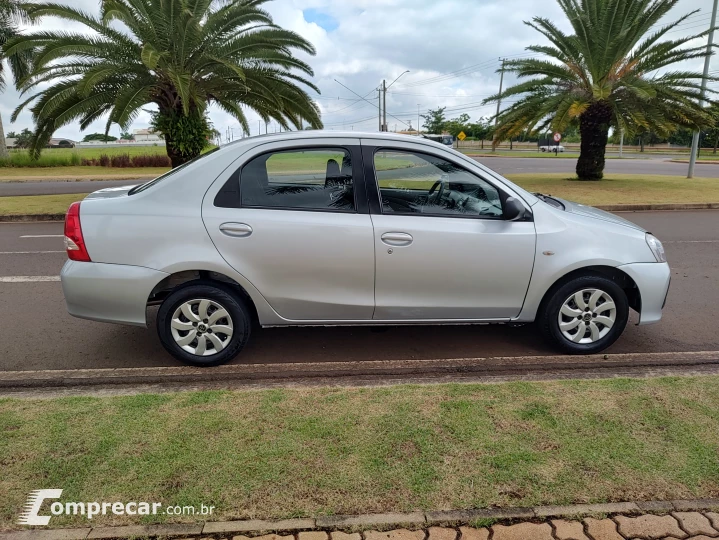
point(143, 187)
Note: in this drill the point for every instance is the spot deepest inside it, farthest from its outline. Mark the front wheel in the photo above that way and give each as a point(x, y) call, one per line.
point(203, 324)
point(585, 315)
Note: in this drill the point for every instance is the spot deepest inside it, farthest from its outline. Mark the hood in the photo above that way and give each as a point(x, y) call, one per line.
point(110, 193)
point(596, 213)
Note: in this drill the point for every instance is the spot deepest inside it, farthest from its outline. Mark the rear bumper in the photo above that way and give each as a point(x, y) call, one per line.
point(111, 293)
point(652, 279)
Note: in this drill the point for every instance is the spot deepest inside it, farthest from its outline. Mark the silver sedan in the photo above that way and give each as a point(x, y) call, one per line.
point(328, 228)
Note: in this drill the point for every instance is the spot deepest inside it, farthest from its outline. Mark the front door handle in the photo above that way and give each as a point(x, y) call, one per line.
point(397, 239)
point(236, 230)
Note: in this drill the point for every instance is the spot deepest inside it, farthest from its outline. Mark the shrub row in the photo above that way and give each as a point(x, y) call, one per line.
point(124, 161)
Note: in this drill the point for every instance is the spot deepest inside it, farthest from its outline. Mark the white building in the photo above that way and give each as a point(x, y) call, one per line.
point(146, 135)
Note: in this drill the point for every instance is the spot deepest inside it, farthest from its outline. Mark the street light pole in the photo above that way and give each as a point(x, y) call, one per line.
point(499, 101)
point(707, 61)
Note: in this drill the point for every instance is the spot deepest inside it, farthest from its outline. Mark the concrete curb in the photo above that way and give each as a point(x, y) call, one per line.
point(415, 520)
point(607, 207)
point(61, 179)
point(699, 161)
point(657, 207)
point(496, 368)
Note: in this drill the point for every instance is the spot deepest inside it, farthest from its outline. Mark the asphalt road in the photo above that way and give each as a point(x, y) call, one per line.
point(652, 165)
point(37, 333)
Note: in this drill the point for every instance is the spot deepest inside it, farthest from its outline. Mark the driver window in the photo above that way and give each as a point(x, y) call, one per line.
point(416, 183)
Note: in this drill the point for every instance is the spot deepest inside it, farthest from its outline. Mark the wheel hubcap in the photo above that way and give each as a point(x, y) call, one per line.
point(587, 316)
point(201, 327)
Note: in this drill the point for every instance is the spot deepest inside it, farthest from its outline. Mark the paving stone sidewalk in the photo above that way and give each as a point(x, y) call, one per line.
point(682, 525)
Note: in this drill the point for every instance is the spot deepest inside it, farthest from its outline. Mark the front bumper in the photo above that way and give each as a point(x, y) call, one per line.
point(113, 293)
point(652, 279)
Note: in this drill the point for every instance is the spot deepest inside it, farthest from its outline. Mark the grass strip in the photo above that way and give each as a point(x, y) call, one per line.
point(623, 188)
point(37, 204)
point(304, 452)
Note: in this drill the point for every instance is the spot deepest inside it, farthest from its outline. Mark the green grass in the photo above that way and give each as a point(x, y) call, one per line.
point(37, 204)
point(623, 188)
point(305, 452)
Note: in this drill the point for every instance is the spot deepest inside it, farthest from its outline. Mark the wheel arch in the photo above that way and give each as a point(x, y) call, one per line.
point(620, 277)
point(180, 279)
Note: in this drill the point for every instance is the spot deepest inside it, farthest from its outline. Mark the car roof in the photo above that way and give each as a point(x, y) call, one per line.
point(309, 134)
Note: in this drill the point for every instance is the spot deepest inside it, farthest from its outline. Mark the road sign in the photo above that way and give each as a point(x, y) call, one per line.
point(557, 137)
point(461, 136)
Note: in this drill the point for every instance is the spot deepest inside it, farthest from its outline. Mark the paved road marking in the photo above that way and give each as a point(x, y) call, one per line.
point(28, 252)
point(43, 236)
point(27, 279)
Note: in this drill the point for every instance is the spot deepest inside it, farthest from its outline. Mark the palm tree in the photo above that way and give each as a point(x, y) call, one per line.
point(179, 55)
point(606, 73)
point(11, 14)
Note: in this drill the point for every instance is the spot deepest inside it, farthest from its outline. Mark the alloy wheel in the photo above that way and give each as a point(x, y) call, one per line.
point(587, 316)
point(201, 327)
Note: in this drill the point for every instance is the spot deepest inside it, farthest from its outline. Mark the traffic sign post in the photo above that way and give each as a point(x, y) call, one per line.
point(557, 139)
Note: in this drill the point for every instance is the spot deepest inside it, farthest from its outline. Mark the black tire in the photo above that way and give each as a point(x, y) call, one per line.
point(548, 317)
point(224, 297)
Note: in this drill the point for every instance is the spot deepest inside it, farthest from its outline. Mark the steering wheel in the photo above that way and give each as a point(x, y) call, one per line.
point(441, 184)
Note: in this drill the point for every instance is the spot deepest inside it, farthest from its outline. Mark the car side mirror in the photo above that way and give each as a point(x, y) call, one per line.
point(513, 209)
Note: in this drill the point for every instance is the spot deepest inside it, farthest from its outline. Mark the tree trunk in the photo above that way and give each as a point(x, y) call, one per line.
point(3, 145)
point(185, 136)
point(175, 158)
point(594, 129)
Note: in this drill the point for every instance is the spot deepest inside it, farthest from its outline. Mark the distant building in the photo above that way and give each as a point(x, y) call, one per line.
point(146, 135)
point(10, 142)
point(61, 143)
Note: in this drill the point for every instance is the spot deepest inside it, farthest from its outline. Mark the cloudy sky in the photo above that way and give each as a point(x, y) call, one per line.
point(450, 47)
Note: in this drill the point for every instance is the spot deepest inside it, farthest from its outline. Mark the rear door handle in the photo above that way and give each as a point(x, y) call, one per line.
point(397, 239)
point(236, 230)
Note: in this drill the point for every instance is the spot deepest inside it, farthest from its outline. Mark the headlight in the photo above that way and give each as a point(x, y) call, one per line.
point(657, 248)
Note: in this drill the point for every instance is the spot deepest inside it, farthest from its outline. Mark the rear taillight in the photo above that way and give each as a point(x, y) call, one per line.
point(74, 242)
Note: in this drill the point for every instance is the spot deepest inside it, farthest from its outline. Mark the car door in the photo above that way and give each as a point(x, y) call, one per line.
point(443, 249)
point(292, 219)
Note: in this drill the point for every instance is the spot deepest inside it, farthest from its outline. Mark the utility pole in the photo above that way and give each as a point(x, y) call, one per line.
point(417, 119)
point(621, 143)
point(384, 105)
point(707, 61)
point(499, 101)
point(379, 108)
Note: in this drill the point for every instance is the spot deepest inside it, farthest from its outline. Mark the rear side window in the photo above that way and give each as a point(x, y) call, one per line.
point(311, 179)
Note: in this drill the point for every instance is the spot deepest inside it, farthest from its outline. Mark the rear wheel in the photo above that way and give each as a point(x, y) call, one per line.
point(585, 315)
point(203, 324)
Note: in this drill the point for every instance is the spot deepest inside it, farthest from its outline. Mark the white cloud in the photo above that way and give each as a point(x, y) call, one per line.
point(379, 39)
